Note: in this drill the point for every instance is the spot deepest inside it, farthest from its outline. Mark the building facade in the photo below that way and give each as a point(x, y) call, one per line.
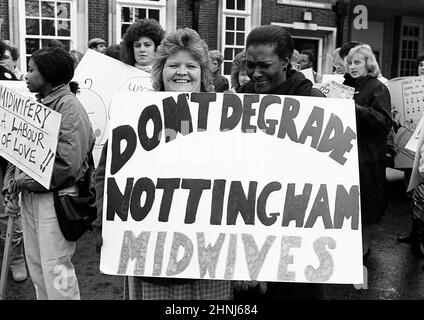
point(321, 25)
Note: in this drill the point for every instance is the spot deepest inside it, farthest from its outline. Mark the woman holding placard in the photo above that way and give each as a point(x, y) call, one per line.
point(416, 185)
point(268, 55)
point(140, 42)
point(374, 120)
point(182, 65)
point(48, 253)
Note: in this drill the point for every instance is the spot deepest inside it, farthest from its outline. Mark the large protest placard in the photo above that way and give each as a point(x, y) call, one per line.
point(407, 98)
point(28, 134)
point(99, 78)
point(20, 87)
point(231, 186)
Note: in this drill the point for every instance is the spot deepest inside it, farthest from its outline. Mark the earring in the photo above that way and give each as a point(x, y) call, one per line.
point(285, 68)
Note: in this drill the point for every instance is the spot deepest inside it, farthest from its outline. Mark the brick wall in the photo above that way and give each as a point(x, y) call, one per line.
point(98, 19)
point(208, 23)
point(274, 12)
point(184, 14)
point(208, 19)
point(4, 14)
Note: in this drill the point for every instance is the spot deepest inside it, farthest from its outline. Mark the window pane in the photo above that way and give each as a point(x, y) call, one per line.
point(32, 26)
point(228, 54)
point(230, 23)
point(47, 9)
point(241, 5)
point(124, 29)
point(227, 67)
point(240, 39)
point(67, 44)
point(231, 4)
point(238, 50)
point(32, 45)
point(64, 28)
point(32, 8)
point(140, 13)
point(417, 31)
point(229, 38)
point(63, 10)
point(126, 14)
point(154, 14)
point(405, 30)
point(48, 28)
point(240, 24)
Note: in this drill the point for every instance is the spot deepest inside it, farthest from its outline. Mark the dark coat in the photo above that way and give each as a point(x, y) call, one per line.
point(6, 74)
point(221, 83)
point(373, 121)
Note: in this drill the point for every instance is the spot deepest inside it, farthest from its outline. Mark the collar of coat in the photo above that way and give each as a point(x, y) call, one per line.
point(55, 94)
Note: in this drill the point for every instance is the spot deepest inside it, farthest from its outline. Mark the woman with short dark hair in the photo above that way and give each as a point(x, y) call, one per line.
point(268, 53)
point(220, 83)
point(47, 252)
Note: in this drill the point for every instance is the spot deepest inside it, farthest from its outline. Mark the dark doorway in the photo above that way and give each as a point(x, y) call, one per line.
point(301, 44)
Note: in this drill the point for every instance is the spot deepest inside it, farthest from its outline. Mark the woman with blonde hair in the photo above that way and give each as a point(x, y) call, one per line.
point(374, 120)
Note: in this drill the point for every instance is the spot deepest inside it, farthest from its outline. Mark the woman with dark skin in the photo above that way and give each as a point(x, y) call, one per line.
point(268, 53)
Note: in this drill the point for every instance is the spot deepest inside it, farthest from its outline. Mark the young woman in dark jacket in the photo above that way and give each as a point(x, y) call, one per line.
point(268, 53)
point(373, 120)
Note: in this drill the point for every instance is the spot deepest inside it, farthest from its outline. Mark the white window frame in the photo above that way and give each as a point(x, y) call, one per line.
point(160, 5)
point(22, 31)
point(408, 38)
point(247, 14)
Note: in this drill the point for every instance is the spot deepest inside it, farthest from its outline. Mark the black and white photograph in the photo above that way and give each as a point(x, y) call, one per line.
point(217, 156)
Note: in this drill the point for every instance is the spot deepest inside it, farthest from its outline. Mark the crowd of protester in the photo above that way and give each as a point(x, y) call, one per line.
point(269, 64)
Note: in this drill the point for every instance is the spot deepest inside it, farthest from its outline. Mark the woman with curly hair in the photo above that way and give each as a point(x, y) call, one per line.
point(238, 71)
point(220, 83)
point(140, 42)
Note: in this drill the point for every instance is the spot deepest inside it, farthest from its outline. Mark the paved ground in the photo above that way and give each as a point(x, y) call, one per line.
point(394, 273)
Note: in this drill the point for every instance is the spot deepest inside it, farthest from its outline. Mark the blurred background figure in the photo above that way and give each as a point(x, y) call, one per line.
point(54, 43)
point(294, 61)
point(77, 56)
point(219, 82)
point(338, 65)
point(308, 59)
point(113, 51)
point(238, 71)
point(17, 260)
point(97, 44)
point(140, 42)
point(420, 65)
point(10, 60)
